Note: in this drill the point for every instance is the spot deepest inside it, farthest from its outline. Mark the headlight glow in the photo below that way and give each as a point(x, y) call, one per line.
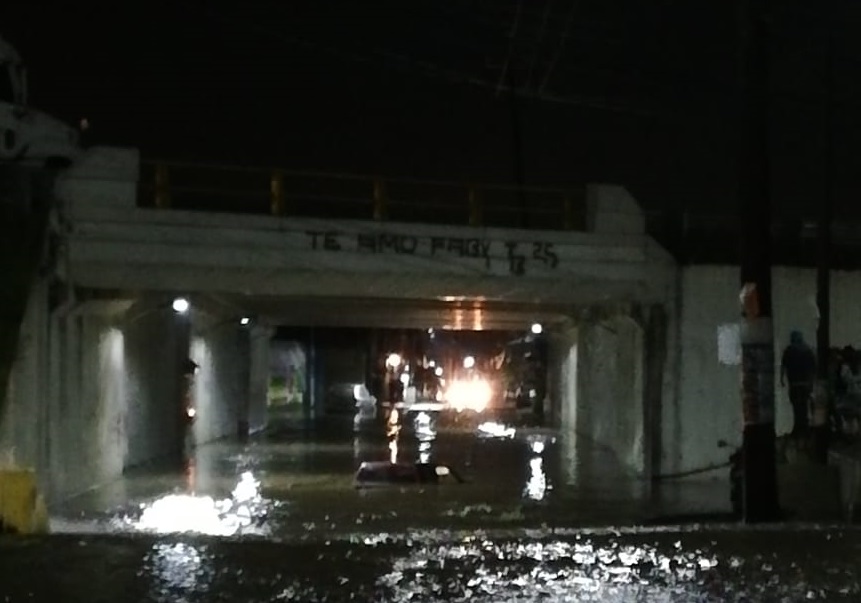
point(472, 394)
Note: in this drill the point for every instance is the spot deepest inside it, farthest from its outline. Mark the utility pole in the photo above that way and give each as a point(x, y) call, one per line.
point(823, 268)
point(760, 500)
point(517, 149)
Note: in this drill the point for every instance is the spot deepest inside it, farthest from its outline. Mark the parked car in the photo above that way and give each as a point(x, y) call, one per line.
point(383, 473)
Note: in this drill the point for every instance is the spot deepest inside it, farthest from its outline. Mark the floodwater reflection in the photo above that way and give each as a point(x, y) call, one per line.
point(244, 512)
point(178, 569)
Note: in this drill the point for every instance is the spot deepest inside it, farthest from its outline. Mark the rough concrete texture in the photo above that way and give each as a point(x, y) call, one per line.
point(25, 202)
point(610, 376)
point(117, 245)
point(221, 349)
point(707, 409)
point(562, 355)
point(156, 345)
point(597, 373)
point(92, 393)
point(258, 375)
point(612, 209)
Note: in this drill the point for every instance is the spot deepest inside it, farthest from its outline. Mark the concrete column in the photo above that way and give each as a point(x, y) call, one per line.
point(610, 388)
point(654, 321)
point(156, 346)
point(562, 377)
point(221, 349)
point(315, 375)
point(259, 377)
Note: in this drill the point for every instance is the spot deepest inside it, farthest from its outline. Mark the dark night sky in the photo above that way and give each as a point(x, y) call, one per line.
point(640, 92)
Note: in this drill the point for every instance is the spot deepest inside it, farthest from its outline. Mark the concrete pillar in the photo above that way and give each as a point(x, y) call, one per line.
point(22, 413)
point(562, 385)
point(156, 347)
point(654, 321)
point(97, 387)
point(315, 375)
point(221, 349)
point(259, 377)
point(611, 387)
point(562, 377)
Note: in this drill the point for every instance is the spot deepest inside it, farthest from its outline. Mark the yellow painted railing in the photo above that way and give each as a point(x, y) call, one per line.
point(281, 192)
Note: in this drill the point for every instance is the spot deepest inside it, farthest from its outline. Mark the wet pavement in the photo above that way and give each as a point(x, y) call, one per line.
point(280, 519)
point(729, 564)
point(289, 484)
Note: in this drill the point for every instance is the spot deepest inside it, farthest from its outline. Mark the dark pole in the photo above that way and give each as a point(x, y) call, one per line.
point(517, 144)
point(758, 438)
point(823, 269)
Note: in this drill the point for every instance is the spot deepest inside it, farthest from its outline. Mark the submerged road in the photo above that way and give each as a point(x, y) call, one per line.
point(279, 519)
point(296, 484)
point(730, 564)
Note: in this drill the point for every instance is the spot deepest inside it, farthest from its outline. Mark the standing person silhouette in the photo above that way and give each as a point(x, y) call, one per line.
point(798, 367)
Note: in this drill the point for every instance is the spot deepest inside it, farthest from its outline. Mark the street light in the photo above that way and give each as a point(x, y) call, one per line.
point(468, 362)
point(244, 321)
point(537, 328)
point(393, 361)
point(180, 305)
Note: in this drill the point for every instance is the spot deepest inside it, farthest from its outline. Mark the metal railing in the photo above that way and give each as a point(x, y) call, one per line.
point(282, 192)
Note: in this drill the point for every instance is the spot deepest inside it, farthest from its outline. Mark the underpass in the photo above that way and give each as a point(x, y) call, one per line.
point(104, 431)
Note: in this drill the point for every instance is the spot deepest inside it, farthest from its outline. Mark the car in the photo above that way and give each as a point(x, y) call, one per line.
point(375, 474)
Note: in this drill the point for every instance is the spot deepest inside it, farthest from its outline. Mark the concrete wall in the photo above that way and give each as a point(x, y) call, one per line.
point(117, 245)
point(156, 344)
point(562, 362)
point(22, 418)
point(707, 406)
point(221, 350)
point(94, 390)
point(259, 377)
point(610, 375)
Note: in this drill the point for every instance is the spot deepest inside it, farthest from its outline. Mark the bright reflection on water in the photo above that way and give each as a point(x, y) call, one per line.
point(537, 483)
point(177, 570)
point(493, 429)
point(393, 451)
point(561, 570)
point(425, 452)
point(242, 513)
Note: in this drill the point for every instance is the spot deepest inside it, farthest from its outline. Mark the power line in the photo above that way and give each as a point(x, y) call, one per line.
point(537, 47)
point(515, 23)
point(430, 69)
point(559, 47)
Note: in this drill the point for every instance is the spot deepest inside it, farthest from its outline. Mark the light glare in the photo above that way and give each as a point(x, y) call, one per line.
point(180, 305)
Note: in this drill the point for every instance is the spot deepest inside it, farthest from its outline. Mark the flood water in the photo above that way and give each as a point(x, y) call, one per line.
point(537, 519)
point(292, 484)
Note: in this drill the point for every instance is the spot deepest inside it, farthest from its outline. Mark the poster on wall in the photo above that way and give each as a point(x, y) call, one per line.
point(729, 344)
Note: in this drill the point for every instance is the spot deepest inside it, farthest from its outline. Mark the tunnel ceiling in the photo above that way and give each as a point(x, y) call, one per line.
point(387, 313)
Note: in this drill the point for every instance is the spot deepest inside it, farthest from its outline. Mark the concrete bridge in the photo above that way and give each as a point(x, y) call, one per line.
point(99, 379)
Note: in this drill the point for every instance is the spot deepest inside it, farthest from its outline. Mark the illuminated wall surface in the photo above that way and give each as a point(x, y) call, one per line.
point(708, 406)
point(95, 392)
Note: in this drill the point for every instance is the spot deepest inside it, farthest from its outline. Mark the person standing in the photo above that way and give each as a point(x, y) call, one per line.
point(798, 367)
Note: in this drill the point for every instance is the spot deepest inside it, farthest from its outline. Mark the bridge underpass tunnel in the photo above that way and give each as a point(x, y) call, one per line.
point(319, 374)
point(104, 384)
